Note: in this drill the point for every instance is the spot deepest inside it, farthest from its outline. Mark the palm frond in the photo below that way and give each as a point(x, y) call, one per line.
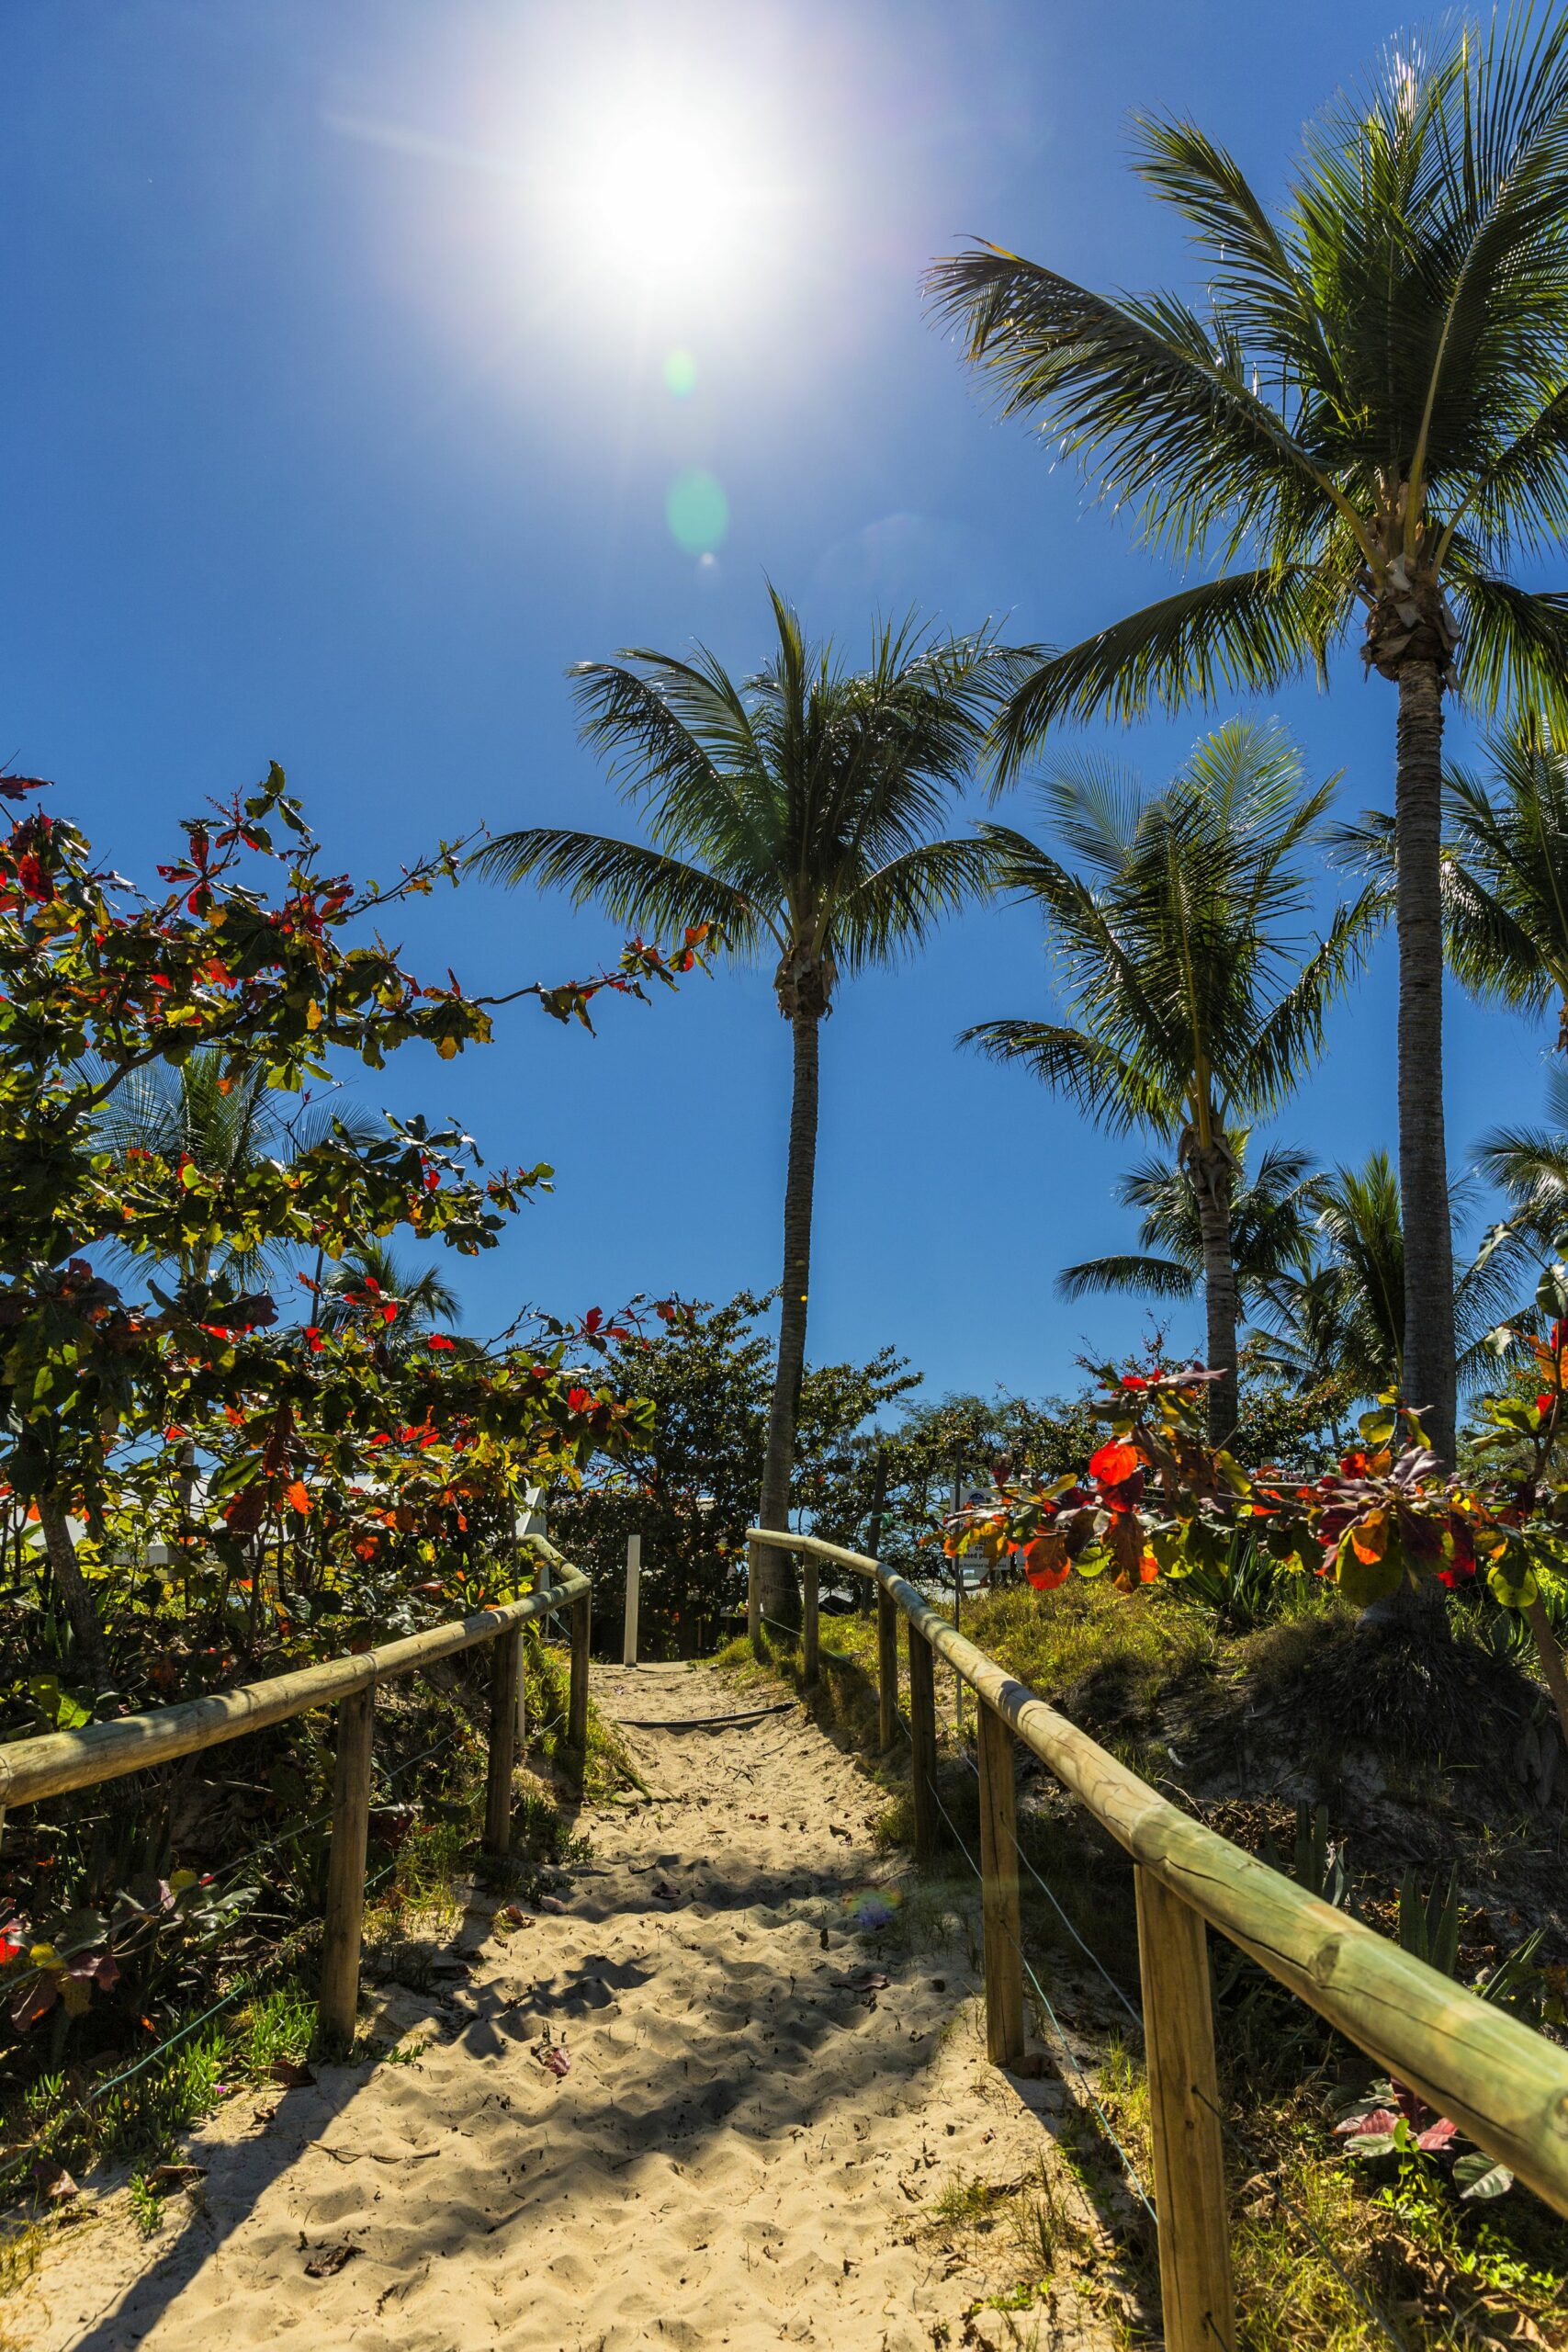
point(1248, 630)
point(1160, 396)
point(1144, 1277)
point(1111, 1089)
point(1291, 1034)
point(638, 886)
point(1262, 283)
point(1514, 646)
point(894, 910)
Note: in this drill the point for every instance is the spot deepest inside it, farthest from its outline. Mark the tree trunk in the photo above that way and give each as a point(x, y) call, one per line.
point(76, 1593)
point(1212, 1181)
point(779, 1590)
point(1428, 1367)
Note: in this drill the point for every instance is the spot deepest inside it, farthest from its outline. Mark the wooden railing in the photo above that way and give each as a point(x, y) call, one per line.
point(46, 1767)
point(1503, 2085)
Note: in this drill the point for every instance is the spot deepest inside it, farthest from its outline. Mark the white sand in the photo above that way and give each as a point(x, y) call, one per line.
point(739, 2155)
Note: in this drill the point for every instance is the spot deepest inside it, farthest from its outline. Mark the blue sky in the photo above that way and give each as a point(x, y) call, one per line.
point(339, 419)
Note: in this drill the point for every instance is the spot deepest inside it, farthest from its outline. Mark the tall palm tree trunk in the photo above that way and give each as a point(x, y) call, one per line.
point(779, 1590)
point(75, 1592)
point(1212, 1181)
point(1428, 1366)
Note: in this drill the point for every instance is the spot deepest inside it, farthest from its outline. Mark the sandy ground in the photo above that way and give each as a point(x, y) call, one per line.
point(743, 2151)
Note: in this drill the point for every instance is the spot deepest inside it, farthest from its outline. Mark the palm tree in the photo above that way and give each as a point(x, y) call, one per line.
point(228, 1125)
point(1270, 1228)
point(1195, 1009)
point(1368, 414)
point(373, 1276)
point(1505, 870)
point(1530, 1164)
point(1343, 1315)
point(793, 811)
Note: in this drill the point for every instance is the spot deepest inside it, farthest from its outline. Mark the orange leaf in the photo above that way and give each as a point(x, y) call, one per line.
point(1114, 1462)
point(1369, 1538)
point(1045, 1563)
point(298, 1497)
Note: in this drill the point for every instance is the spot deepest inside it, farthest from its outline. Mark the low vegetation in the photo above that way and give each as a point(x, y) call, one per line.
point(1229, 1706)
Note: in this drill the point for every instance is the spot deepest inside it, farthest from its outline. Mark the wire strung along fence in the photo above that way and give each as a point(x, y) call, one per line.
point(1501, 2083)
point(32, 1769)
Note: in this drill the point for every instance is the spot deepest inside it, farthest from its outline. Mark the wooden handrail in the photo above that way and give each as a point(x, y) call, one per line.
point(58, 1760)
point(1501, 2083)
point(34, 1768)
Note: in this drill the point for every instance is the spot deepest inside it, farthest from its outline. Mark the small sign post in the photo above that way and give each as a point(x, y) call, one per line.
point(634, 1578)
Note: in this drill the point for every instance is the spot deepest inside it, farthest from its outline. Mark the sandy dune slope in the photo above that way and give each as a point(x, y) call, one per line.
point(738, 2154)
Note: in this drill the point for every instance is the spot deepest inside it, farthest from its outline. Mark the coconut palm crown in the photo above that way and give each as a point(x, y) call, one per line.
point(795, 813)
point(1365, 419)
point(374, 1278)
point(1343, 1315)
point(1272, 1213)
point(1196, 1005)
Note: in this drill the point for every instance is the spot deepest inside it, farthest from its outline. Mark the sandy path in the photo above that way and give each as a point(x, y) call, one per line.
point(737, 2156)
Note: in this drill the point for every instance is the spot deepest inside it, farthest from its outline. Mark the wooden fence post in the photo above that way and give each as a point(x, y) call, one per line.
point(1189, 2180)
point(886, 1668)
point(577, 1702)
point(634, 1583)
point(753, 1596)
point(505, 1673)
point(810, 1648)
point(999, 1904)
point(923, 1743)
point(339, 2000)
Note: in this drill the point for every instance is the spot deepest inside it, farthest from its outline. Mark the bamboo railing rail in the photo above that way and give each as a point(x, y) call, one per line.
point(1505, 2086)
point(32, 1770)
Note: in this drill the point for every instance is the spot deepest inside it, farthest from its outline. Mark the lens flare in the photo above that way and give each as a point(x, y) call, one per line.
point(697, 512)
point(680, 375)
point(874, 1907)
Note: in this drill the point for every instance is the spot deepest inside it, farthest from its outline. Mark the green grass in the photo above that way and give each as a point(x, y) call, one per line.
point(1026, 2235)
point(1316, 2236)
point(844, 1701)
point(547, 1684)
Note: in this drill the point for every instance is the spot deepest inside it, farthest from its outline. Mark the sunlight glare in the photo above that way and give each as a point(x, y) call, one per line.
point(660, 191)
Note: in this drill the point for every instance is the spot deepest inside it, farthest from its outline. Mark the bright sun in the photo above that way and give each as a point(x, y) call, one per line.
point(660, 193)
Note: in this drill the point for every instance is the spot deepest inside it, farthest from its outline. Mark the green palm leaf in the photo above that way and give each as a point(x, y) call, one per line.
point(640, 886)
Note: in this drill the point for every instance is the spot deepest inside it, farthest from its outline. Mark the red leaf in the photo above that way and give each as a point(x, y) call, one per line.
point(1114, 1463)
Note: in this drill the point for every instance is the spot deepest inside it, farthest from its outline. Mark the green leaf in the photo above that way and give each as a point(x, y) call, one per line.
point(1511, 1579)
point(1364, 1581)
point(1481, 2175)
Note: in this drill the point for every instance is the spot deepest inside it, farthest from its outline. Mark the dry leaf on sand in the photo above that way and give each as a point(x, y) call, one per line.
point(328, 2265)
